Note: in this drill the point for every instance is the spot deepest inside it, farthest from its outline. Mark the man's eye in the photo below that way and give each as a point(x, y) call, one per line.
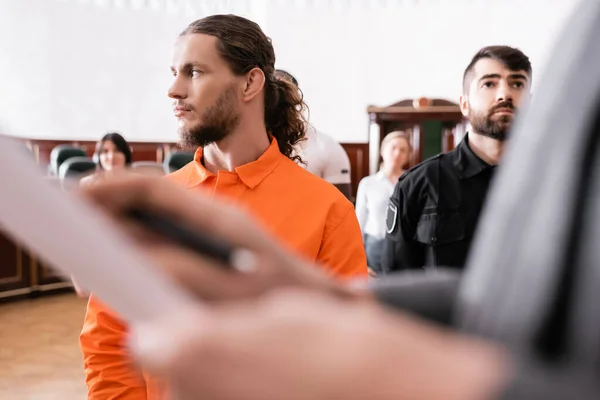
point(195, 73)
point(488, 84)
point(518, 84)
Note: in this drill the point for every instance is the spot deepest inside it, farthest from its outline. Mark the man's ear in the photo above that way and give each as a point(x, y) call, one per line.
point(464, 105)
point(253, 84)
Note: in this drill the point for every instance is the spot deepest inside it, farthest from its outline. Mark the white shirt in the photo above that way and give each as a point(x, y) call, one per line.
point(325, 157)
point(372, 200)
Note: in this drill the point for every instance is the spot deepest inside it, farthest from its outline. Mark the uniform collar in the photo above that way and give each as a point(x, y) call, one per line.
point(466, 161)
point(250, 174)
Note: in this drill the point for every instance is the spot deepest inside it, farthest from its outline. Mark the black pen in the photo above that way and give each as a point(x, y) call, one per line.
point(197, 241)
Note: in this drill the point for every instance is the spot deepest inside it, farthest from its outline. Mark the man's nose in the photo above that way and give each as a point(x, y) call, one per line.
point(177, 89)
point(503, 93)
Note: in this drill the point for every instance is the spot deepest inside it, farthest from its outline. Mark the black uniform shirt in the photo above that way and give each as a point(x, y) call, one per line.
point(434, 210)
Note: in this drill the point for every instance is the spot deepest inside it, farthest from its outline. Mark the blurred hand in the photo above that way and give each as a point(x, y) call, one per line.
point(272, 266)
point(303, 345)
point(294, 335)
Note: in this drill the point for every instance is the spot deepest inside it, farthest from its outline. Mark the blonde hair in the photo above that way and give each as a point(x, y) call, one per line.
point(394, 135)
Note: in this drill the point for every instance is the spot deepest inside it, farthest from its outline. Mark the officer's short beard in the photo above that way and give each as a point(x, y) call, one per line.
point(484, 124)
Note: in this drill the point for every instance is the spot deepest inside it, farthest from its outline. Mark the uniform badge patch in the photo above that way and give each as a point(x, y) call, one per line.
point(392, 217)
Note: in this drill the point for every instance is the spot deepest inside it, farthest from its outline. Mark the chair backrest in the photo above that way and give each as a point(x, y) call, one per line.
point(61, 153)
point(148, 168)
point(76, 167)
point(176, 160)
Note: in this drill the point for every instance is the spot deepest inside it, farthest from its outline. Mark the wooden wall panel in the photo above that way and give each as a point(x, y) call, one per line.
point(46, 275)
point(359, 162)
point(14, 267)
point(156, 151)
point(142, 151)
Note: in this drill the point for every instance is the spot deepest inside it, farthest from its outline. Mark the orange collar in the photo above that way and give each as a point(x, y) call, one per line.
point(250, 174)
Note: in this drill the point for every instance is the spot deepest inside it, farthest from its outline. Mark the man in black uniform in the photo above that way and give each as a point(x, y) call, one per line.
point(433, 212)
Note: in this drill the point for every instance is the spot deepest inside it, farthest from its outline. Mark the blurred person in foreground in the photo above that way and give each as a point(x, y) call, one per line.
point(257, 347)
point(285, 330)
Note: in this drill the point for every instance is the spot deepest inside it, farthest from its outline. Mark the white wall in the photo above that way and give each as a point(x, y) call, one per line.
point(348, 59)
point(73, 69)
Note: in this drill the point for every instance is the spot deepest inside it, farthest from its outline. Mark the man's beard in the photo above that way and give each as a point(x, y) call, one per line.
point(218, 121)
point(483, 123)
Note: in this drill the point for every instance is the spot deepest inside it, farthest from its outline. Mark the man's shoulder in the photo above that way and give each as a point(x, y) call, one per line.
point(322, 143)
point(311, 185)
point(181, 175)
point(423, 170)
point(327, 139)
point(298, 175)
point(330, 145)
point(369, 180)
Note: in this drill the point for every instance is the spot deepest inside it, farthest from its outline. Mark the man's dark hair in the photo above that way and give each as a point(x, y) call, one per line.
point(286, 75)
point(513, 59)
point(244, 46)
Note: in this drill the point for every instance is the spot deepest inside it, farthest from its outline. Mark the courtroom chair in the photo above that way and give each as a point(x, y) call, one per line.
point(148, 168)
point(176, 160)
point(61, 153)
point(76, 168)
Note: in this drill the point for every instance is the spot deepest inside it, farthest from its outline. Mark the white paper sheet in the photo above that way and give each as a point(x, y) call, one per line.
point(78, 240)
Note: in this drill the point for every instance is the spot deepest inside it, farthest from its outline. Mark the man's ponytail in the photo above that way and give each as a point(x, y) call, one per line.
point(284, 115)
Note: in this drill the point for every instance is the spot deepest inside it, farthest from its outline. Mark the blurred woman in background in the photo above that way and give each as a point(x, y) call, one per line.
point(374, 192)
point(112, 152)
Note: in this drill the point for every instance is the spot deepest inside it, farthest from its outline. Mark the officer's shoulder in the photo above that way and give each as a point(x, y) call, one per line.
point(422, 170)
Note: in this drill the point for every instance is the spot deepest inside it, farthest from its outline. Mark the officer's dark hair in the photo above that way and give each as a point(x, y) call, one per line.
point(244, 46)
point(120, 143)
point(514, 59)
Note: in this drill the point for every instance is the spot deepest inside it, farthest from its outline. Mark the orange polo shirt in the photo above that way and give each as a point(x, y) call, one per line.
point(307, 214)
